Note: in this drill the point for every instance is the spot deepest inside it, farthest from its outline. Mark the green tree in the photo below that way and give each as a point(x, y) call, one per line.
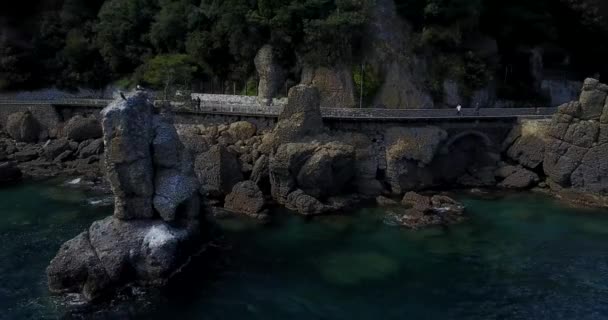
point(169, 72)
point(122, 33)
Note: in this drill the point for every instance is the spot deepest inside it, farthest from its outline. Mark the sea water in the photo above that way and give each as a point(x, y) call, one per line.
point(518, 256)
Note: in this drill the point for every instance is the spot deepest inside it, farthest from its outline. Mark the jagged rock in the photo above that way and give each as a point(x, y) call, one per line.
point(505, 171)
point(175, 182)
point(260, 174)
point(128, 133)
point(528, 143)
point(576, 149)
point(76, 268)
point(79, 128)
point(242, 130)
point(270, 72)
point(134, 245)
point(9, 173)
point(592, 99)
point(64, 156)
point(284, 166)
point(414, 143)
point(304, 204)
point(115, 252)
point(54, 148)
point(519, 179)
point(416, 201)
point(561, 159)
point(218, 170)
point(328, 170)
point(26, 155)
point(246, 197)
point(427, 211)
point(90, 148)
point(23, 127)
point(592, 173)
point(408, 151)
point(301, 116)
point(386, 202)
point(366, 165)
point(335, 84)
point(172, 188)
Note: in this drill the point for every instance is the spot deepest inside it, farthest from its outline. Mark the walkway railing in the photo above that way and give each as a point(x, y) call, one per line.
point(330, 113)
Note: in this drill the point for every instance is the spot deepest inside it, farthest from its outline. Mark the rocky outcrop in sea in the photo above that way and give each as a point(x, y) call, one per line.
point(155, 226)
point(570, 151)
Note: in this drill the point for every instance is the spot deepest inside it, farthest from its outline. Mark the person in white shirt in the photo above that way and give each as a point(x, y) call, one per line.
point(459, 110)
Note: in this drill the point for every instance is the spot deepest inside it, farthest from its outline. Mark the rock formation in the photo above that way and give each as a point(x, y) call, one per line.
point(335, 85)
point(80, 129)
point(421, 211)
point(272, 75)
point(218, 170)
point(577, 148)
point(23, 127)
point(403, 74)
point(247, 198)
point(154, 228)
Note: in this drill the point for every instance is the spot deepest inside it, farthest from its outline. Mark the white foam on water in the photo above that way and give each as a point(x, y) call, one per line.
point(75, 181)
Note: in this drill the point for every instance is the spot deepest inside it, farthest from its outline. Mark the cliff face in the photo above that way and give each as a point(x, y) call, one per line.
point(577, 149)
point(571, 150)
point(388, 49)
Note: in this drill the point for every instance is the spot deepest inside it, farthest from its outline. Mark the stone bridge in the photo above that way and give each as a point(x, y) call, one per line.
point(490, 125)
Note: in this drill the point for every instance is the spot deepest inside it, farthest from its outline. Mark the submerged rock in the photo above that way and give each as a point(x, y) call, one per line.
point(422, 211)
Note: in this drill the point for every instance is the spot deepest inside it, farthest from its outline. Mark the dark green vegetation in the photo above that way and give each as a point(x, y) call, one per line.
point(87, 42)
point(523, 256)
point(457, 34)
point(91, 43)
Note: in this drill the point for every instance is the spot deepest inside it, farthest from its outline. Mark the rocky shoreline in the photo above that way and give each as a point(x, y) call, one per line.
point(157, 171)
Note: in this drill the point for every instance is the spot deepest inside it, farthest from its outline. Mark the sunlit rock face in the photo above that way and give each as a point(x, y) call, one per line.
point(154, 228)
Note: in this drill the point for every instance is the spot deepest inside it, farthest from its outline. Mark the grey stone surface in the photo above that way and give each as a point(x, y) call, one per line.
point(301, 117)
point(520, 179)
point(134, 245)
point(218, 170)
point(79, 129)
point(246, 197)
point(128, 133)
point(328, 171)
point(335, 85)
point(270, 72)
point(304, 204)
point(576, 151)
point(23, 127)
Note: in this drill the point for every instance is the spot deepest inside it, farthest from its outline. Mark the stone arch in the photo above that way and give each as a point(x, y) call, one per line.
point(487, 141)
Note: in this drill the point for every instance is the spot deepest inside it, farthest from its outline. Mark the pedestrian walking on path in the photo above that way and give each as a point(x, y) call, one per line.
point(459, 110)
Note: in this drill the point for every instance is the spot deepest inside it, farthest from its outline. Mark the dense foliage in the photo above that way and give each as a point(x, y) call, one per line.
point(71, 43)
point(456, 32)
point(75, 42)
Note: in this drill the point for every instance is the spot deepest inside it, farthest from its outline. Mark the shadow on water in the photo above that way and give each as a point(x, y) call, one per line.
point(519, 256)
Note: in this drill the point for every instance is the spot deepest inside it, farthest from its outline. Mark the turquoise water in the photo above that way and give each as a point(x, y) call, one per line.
point(521, 256)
